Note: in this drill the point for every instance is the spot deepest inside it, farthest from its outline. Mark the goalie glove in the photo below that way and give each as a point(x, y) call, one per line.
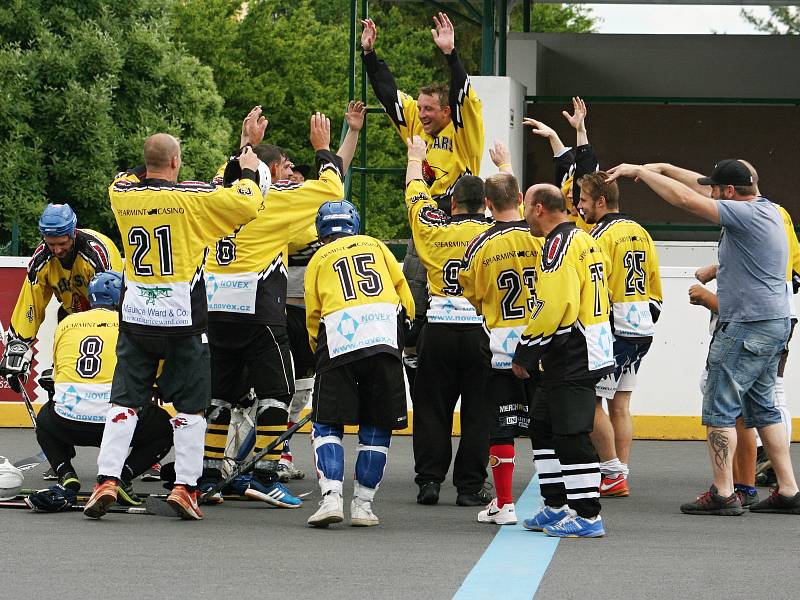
point(47, 383)
point(53, 499)
point(16, 363)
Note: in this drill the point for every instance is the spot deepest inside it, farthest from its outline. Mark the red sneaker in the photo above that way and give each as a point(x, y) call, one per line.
point(102, 496)
point(616, 487)
point(185, 503)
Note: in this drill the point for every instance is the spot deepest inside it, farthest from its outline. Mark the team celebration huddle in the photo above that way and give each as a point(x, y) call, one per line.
point(249, 296)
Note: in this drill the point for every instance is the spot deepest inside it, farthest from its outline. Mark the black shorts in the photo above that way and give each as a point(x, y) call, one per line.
point(184, 379)
point(566, 407)
point(250, 355)
point(513, 400)
point(368, 391)
point(302, 355)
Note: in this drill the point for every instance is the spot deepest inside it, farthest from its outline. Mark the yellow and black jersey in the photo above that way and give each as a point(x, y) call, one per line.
point(569, 329)
point(793, 264)
point(498, 278)
point(247, 270)
point(458, 148)
point(167, 229)
point(634, 281)
point(357, 301)
point(68, 279)
point(579, 222)
point(84, 357)
point(440, 241)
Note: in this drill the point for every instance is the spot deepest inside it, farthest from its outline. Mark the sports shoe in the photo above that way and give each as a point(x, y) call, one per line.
point(287, 471)
point(767, 477)
point(500, 516)
point(331, 510)
point(204, 485)
point(103, 495)
point(711, 503)
point(480, 498)
point(776, 503)
point(126, 496)
point(273, 493)
point(614, 487)
point(428, 493)
point(152, 474)
point(361, 514)
point(547, 516)
point(746, 498)
point(70, 481)
point(50, 475)
point(184, 502)
point(575, 526)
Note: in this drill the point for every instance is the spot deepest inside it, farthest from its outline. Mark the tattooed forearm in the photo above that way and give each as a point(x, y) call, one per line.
point(719, 445)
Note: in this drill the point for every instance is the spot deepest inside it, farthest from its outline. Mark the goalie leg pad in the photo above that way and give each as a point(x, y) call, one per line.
point(117, 435)
point(373, 450)
point(189, 431)
point(270, 424)
point(219, 420)
point(328, 456)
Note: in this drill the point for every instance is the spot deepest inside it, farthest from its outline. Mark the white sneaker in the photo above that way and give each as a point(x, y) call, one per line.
point(501, 516)
point(331, 510)
point(361, 514)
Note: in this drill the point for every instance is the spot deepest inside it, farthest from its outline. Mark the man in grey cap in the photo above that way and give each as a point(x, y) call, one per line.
point(752, 330)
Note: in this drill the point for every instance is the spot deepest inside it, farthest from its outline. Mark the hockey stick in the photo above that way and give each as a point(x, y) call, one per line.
point(33, 461)
point(157, 506)
point(132, 510)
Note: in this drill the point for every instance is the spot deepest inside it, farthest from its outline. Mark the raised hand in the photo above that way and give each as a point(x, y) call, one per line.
point(623, 170)
point(416, 148)
point(253, 127)
point(540, 129)
point(444, 36)
point(368, 35)
point(354, 115)
point(500, 154)
point(577, 119)
point(320, 134)
point(248, 159)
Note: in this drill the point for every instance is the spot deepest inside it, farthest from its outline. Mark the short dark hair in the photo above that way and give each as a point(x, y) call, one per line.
point(269, 154)
point(442, 90)
point(468, 193)
point(550, 197)
point(595, 185)
point(503, 190)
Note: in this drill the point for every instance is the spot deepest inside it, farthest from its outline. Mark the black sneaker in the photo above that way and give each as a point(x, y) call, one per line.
point(428, 492)
point(777, 503)
point(766, 478)
point(480, 498)
point(746, 498)
point(711, 503)
point(50, 475)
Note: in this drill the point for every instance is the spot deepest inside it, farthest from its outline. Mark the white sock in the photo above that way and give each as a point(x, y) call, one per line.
point(189, 436)
point(625, 469)
point(363, 493)
point(611, 467)
point(117, 434)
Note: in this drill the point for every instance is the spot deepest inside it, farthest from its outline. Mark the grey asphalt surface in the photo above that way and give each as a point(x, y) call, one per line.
point(246, 548)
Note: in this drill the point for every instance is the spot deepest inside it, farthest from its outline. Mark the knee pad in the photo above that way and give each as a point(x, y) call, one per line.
point(219, 412)
point(302, 396)
point(328, 456)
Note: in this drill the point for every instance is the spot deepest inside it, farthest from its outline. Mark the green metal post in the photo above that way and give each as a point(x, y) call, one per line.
point(526, 16)
point(14, 238)
point(363, 188)
point(487, 38)
point(503, 39)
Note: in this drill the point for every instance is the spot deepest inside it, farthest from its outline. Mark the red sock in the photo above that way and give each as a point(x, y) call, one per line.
point(501, 458)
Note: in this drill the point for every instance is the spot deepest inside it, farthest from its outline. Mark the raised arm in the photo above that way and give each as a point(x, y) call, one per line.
point(501, 157)
point(670, 190)
point(577, 120)
point(356, 110)
point(685, 176)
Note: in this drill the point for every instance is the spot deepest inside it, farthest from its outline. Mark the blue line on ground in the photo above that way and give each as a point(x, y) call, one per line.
point(514, 563)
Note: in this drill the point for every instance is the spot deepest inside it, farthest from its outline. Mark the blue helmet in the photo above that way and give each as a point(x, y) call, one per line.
point(105, 289)
point(58, 220)
point(337, 217)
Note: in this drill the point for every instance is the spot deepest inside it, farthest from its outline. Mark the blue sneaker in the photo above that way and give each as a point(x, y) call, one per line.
point(274, 493)
point(547, 516)
point(239, 484)
point(574, 526)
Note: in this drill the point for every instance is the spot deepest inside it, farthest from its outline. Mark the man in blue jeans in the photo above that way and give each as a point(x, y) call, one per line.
point(752, 330)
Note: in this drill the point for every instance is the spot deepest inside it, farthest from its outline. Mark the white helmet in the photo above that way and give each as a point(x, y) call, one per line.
point(233, 172)
point(10, 479)
point(264, 178)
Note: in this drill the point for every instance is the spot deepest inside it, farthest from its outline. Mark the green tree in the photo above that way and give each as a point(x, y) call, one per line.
point(781, 20)
point(84, 82)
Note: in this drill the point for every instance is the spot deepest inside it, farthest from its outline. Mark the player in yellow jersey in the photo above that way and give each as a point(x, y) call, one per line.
point(449, 118)
point(63, 265)
point(453, 345)
point(570, 165)
point(568, 343)
point(167, 228)
point(247, 289)
point(84, 359)
point(357, 307)
point(497, 277)
point(634, 283)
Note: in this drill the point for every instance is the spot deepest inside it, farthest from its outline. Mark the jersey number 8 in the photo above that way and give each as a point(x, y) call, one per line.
point(89, 361)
